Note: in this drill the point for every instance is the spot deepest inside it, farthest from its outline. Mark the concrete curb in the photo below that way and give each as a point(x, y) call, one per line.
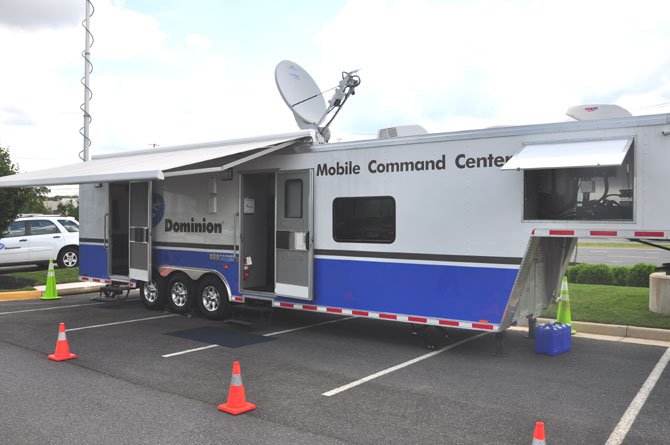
point(20, 295)
point(62, 289)
point(613, 330)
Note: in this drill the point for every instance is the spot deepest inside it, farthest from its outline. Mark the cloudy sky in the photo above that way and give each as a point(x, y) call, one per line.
point(181, 71)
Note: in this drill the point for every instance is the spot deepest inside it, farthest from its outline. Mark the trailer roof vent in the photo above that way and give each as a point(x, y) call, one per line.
point(597, 111)
point(400, 131)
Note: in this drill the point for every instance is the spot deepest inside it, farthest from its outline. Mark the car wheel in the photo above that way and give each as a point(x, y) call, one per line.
point(68, 257)
point(212, 298)
point(152, 293)
point(179, 293)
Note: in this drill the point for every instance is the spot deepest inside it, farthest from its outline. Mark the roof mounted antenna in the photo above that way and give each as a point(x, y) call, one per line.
point(85, 154)
point(303, 97)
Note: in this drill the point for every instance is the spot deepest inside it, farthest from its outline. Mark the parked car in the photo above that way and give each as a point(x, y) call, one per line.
point(36, 239)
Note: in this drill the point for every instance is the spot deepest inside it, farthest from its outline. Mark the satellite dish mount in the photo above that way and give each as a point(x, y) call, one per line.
point(305, 99)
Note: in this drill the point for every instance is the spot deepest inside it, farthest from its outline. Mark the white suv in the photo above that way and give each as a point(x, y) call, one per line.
point(36, 239)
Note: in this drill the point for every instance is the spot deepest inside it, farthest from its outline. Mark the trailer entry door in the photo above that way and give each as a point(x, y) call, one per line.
point(294, 251)
point(139, 233)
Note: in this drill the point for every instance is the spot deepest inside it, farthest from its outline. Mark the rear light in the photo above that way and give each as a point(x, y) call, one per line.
point(247, 268)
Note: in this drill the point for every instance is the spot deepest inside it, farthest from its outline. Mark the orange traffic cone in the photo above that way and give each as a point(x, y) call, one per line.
point(62, 347)
point(538, 434)
point(237, 402)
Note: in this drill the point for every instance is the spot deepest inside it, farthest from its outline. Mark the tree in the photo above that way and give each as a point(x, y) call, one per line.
point(10, 198)
point(17, 200)
point(33, 200)
point(68, 209)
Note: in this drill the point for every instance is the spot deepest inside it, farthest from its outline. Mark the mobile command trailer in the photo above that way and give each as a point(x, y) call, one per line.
point(470, 230)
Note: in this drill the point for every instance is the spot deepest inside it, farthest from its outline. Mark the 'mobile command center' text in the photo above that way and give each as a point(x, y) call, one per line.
point(461, 161)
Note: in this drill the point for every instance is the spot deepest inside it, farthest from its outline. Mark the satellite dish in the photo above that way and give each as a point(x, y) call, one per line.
point(305, 99)
point(301, 94)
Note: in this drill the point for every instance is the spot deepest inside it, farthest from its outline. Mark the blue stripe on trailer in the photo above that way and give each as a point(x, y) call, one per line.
point(471, 293)
point(93, 260)
point(441, 291)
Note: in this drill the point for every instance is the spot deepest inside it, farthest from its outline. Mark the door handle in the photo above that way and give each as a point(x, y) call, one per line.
point(23, 240)
point(56, 236)
point(105, 239)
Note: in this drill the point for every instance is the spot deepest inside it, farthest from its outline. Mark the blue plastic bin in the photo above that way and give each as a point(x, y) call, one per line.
point(552, 338)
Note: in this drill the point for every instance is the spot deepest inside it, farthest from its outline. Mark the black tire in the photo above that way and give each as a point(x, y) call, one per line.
point(68, 257)
point(152, 293)
point(179, 292)
point(212, 299)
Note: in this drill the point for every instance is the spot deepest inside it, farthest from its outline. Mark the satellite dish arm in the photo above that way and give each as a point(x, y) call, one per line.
point(346, 87)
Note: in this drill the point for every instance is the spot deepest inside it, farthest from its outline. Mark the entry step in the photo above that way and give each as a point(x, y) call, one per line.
point(249, 314)
point(113, 292)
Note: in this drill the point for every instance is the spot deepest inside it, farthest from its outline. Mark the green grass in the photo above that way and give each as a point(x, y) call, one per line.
point(39, 277)
point(612, 305)
point(21, 289)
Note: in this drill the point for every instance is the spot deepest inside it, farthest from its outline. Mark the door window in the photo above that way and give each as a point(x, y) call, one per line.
point(16, 229)
point(70, 226)
point(293, 198)
point(42, 227)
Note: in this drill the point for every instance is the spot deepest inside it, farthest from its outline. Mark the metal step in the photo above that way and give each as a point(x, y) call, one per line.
point(538, 279)
point(113, 292)
point(250, 314)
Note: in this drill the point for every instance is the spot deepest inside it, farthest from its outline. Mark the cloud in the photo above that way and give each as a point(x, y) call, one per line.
point(446, 65)
point(121, 33)
point(198, 42)
point(495, 62)
point(11, 115)
point(39, 14)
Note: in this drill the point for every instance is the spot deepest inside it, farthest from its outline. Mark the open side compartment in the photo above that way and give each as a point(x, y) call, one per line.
point(584, 180)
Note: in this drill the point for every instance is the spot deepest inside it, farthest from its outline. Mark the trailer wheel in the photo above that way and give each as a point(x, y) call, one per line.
point(212, 299)
point(179, 293)
point(152, 293)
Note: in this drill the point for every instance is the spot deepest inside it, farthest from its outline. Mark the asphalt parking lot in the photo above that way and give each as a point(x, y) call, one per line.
point(152, 377)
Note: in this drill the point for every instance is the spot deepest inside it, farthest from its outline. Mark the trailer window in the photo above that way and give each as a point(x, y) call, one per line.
point(369, 219)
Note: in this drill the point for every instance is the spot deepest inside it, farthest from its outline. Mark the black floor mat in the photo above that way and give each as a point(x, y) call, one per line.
point(222, 336)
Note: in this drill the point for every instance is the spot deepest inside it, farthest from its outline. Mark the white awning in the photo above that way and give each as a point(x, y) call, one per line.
point(148, 165)
point(601, 153)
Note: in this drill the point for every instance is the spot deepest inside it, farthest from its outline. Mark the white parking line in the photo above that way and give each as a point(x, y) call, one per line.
point(271, 334)
point(47, 308)
point(343, 388)
point(307, 327)
point(120, 322)
point(189, 350)
point(622, 428)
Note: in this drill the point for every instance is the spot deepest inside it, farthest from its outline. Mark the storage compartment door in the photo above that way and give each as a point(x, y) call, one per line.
point(139, 233)
point(294, 251)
